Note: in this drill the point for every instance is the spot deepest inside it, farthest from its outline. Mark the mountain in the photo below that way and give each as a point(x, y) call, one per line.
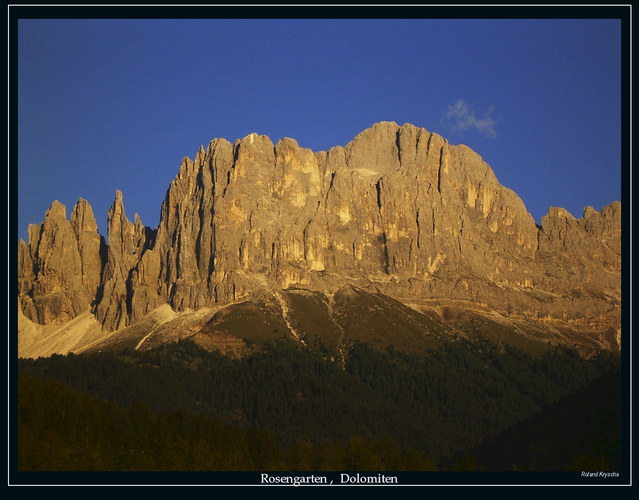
point(397, 238)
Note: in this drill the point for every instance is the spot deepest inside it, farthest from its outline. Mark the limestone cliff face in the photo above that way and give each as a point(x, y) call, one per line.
point(398, 209)
point(127, 242)
point(59, 269)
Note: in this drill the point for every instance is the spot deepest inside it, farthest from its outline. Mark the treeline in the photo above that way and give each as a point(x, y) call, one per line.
point(60, 429)
point(438, 405)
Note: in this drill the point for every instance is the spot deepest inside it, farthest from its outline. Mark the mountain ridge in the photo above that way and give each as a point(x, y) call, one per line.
point(397, 211)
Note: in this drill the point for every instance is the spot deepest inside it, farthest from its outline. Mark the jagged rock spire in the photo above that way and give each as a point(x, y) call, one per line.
point(59, 270)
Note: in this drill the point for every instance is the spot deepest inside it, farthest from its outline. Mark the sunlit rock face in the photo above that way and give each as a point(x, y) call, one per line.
point(398, 210)
point(59, 270)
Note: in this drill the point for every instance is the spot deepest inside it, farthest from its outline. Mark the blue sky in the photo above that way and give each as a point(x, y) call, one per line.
point(115, 104)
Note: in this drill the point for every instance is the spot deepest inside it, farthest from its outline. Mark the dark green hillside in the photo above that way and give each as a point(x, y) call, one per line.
point(255, 322)
point(475, 325)
point(309, 313)
point(439, 404)
point(60, 429)
point(580, 432)
point(64, 430)
point(381, 321)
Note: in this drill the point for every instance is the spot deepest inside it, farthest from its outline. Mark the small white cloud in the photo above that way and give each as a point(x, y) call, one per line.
point(460, 117)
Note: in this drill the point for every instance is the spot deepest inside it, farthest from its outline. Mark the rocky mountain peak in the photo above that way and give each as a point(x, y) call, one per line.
point(56, 212)
point(82, 218)
point(59, 270)
point(398, 209)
